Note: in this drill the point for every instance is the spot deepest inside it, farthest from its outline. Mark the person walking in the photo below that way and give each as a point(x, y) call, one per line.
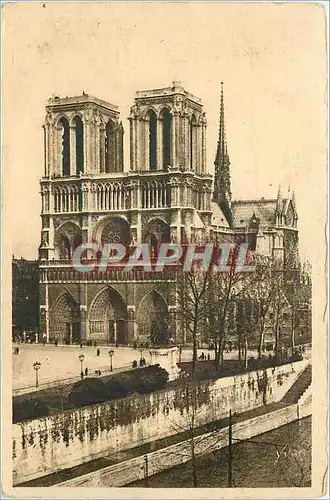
point(86, 371)
point(97, 352)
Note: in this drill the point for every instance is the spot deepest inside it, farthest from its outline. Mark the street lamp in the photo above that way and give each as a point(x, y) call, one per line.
point(111, 353)
point(81, 359)
point(37, 366)
point(141, 351)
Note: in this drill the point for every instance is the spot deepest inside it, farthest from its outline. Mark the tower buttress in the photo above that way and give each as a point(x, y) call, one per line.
point(222, 181)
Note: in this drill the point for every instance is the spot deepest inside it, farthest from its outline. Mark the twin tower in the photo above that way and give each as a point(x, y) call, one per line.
point(164, 194)
point(83, 135)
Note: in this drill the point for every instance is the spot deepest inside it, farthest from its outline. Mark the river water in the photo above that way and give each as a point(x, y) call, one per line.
point(279, 458)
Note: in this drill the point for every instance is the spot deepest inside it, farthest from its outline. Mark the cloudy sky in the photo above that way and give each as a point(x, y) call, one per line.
point(271, 58)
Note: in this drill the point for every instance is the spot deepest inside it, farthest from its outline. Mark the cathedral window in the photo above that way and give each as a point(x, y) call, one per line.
point(65, 146)
point(193, 143)
point(79, 126)
point(152, 141)
point(167, 125)
point(109, 148)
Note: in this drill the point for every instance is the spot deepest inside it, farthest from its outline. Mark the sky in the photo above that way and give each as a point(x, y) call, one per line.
point(271, 58)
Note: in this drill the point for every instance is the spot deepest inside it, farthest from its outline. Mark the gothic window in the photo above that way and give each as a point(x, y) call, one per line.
point(152, 140)
point(156, 232)
point(167, 125)
point(109, 147)
point(116, 231)
point(65, 146)
point(79, 126)
point(193, 143)
point(65, 248)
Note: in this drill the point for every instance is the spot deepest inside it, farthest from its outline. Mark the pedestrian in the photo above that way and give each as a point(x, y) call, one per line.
point(56, 342)
point(208, 357)
point(141, 362)
point(86, 371)
point(97, 352)
point(134, 364)
point(100, 373)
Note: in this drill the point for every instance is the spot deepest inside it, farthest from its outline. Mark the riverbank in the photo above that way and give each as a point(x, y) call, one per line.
point(276, 459)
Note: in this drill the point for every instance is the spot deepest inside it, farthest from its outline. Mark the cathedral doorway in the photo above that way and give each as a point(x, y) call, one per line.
point(153, 319)
point(108, 318)
point(64, 320)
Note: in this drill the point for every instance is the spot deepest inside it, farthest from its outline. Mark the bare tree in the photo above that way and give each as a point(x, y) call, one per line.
point(224, 290)
point(261, 296)
point(192, 287)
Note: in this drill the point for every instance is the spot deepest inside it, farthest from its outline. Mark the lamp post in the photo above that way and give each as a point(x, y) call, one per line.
point(111, 353)
point(81, 359)
point(141, 351)
point(37, 366)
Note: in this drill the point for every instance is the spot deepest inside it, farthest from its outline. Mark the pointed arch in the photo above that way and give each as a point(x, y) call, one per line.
point(112, 229)
point(152, 139)
point(79, 139)
point(63, 125)
point(153, 318)
point(167, 134)
point(67, 238)
point(64, 319)
point(193, 143)
point(108, 317)
point(109, 149)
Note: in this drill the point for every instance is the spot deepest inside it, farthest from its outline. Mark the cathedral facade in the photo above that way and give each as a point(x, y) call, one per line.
point(166, 194)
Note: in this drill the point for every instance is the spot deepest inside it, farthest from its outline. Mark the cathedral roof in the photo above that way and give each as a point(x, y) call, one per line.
point(263, 209)
point(218, 217)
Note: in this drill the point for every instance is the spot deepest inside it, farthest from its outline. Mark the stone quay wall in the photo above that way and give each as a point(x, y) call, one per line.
point(47, 445)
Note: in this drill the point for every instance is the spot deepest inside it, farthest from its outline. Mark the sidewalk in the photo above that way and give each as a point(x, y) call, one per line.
point(66, 383)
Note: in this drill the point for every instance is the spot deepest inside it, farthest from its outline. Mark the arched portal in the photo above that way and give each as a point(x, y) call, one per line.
point(65, 145)
point(108, 318)
point(64, 320)
point(153, 319)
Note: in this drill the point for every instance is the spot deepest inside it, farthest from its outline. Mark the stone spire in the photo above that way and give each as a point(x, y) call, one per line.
point(222, 182)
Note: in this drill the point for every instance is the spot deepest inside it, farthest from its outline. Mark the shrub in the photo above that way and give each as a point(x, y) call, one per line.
point(206, 371)
point(141, 380)
point(88, 392)
point(28, 408)
point(119, 386)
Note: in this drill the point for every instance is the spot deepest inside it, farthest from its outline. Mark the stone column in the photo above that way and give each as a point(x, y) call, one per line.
point(138, 151)
point(102, 149)
point(72, 131)
point(86, 146)
point(159, 144)
point(203, 165)
point(173, 140)
point(83, 323)
point(115, 332)
point(187, 141)
point(146, 144)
